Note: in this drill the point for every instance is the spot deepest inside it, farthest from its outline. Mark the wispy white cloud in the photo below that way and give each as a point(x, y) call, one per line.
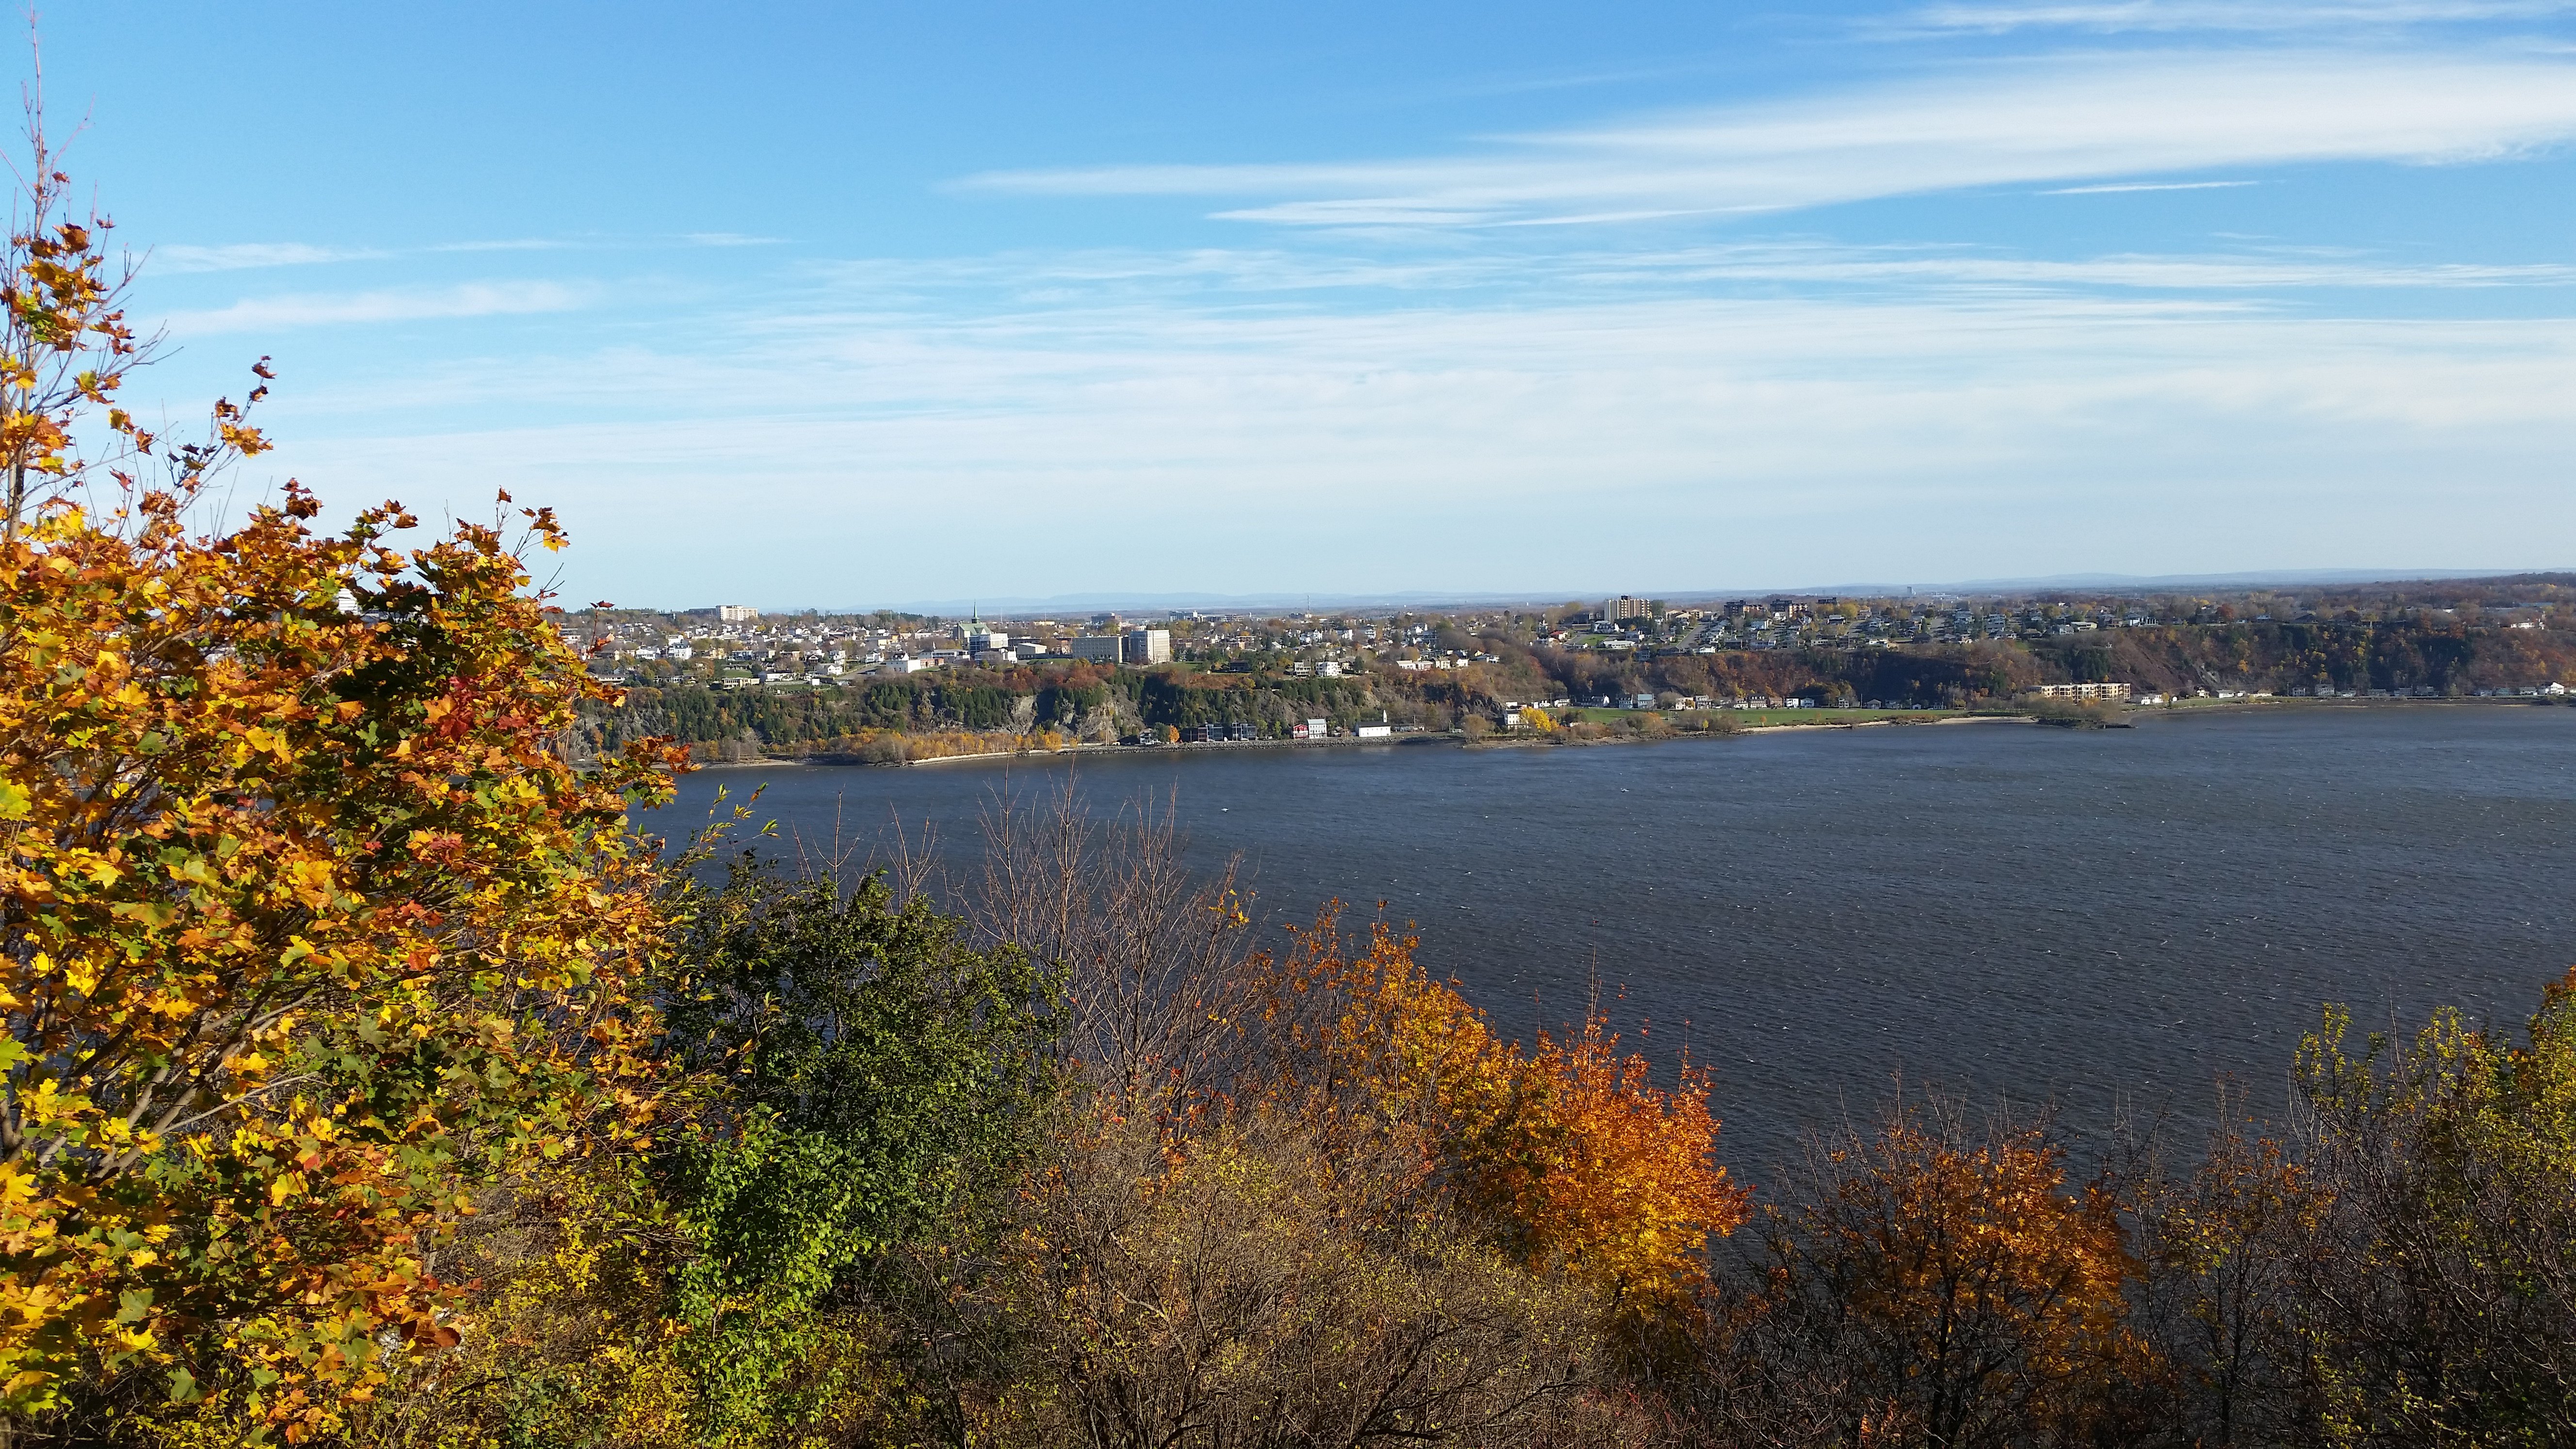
point(313, 309)
point(2061, 118)
point(1096, 273)
point(1270, 278)
point(2257, 16)
point(243, 256)
point(506, 244)
point(1957, 268)
point(180, 257)
point(2116, 186)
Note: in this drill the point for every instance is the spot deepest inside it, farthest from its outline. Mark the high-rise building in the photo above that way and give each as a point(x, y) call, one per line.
point(1624, 608)
point(736, 613)
point(1147, 646)
point(1102, 648)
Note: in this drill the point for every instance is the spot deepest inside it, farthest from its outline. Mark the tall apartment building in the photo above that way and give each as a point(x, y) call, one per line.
point(736, 613)
point(1147, 646)
point(1624, 608)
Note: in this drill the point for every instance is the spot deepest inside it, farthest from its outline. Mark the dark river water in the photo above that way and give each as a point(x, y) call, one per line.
point(2084, 922)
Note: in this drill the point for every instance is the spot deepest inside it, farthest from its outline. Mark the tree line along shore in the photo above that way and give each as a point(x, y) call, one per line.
point(1575, 694)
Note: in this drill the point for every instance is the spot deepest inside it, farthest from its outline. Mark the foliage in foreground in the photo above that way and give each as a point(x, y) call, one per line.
point(307, 931)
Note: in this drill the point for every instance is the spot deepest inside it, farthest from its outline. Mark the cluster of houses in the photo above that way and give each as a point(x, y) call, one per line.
point(1306, 729)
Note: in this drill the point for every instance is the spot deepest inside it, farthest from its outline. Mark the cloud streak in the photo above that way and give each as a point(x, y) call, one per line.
point(293, 311)
point(1272, 278)
point(2120, 186)
point(2240, 16)
point(2056, 119)
point(245, 256)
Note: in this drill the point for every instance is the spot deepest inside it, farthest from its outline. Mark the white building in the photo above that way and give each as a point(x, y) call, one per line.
point(1147, 646)
point(736, 614)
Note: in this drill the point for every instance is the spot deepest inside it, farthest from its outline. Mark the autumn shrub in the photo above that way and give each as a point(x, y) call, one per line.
point(564, 1334)
point(1926, 1287)
point(2230, 1248)
point(1570, 1151)
point(2439, 1305)
point(1261, 1284)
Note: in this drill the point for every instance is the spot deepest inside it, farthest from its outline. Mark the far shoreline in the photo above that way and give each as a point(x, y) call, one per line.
point(2127, 718)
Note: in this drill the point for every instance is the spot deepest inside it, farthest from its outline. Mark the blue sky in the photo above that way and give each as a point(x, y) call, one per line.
point(851, 305)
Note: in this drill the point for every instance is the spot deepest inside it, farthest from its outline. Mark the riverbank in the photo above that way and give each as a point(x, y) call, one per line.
point(1767, 722)
point(1739, 723)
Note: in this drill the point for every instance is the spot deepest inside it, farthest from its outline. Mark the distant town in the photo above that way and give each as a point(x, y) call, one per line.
point(738, 683)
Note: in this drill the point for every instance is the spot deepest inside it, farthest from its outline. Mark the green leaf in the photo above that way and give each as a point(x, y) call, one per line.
point(183, 1386)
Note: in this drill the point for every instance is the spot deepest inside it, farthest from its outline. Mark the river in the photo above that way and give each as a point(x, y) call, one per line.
point(2089, 923)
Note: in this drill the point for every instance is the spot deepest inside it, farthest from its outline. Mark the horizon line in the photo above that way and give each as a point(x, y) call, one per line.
point(1105, 601)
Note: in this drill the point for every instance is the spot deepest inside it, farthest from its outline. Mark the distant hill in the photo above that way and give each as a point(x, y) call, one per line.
point(1432, 601)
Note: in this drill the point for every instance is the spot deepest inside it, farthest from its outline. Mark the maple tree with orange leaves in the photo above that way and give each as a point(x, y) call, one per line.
point(1571, 1146)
